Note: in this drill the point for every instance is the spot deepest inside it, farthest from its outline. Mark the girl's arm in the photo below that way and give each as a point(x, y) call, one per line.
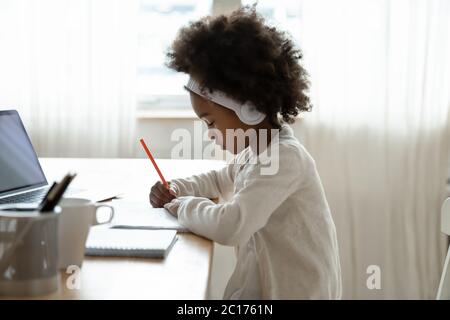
point(234, 222)
point(212, 184)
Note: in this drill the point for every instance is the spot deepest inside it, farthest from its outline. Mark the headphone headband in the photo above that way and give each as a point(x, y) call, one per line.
point(246, 112)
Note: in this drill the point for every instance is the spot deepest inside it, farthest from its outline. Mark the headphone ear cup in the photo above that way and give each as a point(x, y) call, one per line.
point(250, 115)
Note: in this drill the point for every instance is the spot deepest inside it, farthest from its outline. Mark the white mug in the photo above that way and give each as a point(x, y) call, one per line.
point(76, 218)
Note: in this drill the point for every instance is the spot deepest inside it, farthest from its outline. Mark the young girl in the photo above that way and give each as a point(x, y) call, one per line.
point(246, 76)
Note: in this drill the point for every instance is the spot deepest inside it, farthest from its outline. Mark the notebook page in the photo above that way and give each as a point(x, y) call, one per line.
point(141, 215)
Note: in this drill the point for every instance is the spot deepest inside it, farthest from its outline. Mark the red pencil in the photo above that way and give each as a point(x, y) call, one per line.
point(154, 163)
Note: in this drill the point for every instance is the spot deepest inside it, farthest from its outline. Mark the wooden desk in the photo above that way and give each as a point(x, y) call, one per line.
point(184, 274)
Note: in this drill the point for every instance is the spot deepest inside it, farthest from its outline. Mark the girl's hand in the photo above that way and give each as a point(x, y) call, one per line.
point(172, 207)
point(160, 195)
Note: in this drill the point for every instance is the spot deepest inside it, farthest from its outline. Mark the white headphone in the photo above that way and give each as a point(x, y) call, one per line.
point(246, 112)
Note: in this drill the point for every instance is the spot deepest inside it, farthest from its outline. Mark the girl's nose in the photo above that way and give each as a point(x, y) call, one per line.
point(216, 136)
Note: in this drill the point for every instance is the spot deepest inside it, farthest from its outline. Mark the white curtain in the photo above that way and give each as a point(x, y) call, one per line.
point(379, 131)
point(69, 67)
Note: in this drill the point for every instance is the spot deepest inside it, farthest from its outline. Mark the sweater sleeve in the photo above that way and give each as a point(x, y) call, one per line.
point(235, 221)
point(212, 184)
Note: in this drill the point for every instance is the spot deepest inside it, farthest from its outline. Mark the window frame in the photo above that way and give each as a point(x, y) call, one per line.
point(167, 106)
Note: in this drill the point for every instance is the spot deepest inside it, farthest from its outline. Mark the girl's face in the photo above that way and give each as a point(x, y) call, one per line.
point(218, 119)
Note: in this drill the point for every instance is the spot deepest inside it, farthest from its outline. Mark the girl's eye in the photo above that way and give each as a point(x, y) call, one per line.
point(210, 124)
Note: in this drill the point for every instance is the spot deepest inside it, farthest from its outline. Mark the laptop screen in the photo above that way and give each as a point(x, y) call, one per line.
point(19, 165)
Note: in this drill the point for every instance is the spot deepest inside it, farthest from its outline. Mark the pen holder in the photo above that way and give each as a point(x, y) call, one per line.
point(28, 252)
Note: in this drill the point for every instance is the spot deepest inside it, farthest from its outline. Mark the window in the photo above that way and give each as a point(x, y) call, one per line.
point(159, 22)
point(283, 14)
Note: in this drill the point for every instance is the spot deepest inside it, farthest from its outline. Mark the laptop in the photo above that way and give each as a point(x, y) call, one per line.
point(21, 177)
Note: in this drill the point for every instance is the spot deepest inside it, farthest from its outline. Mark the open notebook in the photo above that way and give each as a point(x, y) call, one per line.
point(129, 243)
point(140, 215)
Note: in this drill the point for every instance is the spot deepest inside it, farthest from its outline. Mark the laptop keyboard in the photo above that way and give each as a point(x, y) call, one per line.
point(27, 197)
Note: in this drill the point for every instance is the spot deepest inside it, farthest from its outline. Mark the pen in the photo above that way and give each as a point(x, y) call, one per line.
point(154, 163)
point(55, 194)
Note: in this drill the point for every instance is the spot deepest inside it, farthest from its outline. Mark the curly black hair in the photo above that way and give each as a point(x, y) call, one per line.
point(242, 56)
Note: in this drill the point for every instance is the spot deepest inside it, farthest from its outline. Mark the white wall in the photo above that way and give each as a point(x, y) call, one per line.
point(157, 132)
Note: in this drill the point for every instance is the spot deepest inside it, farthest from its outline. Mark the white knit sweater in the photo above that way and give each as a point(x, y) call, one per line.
point(280, 224)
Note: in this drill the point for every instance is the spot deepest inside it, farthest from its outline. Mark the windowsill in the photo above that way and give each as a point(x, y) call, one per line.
point(166, 114)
